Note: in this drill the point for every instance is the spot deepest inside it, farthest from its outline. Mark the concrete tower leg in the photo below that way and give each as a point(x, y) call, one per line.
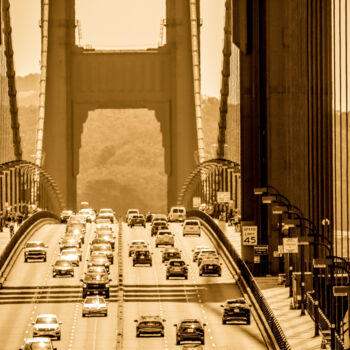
point(57, 147)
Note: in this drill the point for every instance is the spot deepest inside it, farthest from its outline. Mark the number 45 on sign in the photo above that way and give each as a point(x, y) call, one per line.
point(250, 235)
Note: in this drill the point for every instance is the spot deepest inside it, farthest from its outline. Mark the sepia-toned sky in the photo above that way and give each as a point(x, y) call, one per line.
point(119, 24)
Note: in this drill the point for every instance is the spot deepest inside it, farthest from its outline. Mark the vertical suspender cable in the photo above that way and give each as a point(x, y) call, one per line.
point(10, 71)
point(196, 77)
point(44, 43)
point(225, 81)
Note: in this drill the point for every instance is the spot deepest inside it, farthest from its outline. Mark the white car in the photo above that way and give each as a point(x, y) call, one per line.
point(177, 214)
point(164, 237)
point(95, 306)
point(89, 214)
point(191, 227)
point(69, 255)
point(41, 343)
point(207, 254)
point(47, 325)
point(107, 213)
point(104, 226)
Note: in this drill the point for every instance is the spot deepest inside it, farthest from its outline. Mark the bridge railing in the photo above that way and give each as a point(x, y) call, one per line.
point(16, 238)
point(25, 186)
point(245, 273)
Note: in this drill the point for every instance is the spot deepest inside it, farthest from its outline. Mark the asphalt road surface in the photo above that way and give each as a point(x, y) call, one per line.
point(30, 289)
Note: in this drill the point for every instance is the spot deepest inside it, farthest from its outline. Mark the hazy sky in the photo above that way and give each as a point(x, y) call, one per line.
point(111, 25)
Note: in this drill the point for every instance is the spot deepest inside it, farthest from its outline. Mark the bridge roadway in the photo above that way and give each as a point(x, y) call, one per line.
point(30, 289)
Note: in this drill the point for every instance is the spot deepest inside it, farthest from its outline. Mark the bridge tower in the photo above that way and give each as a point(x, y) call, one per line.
point(80, 80)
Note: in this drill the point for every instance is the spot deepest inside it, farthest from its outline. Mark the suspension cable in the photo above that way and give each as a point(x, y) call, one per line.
point(41, 118)
point(10, 72)
point(196, 77)
point(225, 81)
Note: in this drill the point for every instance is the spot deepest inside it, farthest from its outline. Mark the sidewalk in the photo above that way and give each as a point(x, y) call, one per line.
point(299, 330)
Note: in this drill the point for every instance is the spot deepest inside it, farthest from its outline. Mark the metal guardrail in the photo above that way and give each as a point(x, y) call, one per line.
point(21, 231)
point(324, 324)
point(245, 273)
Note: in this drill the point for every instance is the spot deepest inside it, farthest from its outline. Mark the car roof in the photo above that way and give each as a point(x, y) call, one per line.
point(138, 241)
point(150, 318)
point(171, 249)
point(46, 315)
point(210, 261)
point(35, 242)
point(190, 320)
point(182, 260)
point(235, 300)
point(38, 340)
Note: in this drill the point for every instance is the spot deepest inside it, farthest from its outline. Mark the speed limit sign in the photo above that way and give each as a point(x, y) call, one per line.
point(250, 235)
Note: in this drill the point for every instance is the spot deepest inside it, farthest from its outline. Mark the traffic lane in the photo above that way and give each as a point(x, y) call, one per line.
point(134, 274)
point(31, 273)
point(94, 332)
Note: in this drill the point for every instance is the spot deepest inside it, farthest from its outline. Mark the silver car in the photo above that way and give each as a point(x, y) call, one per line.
point(47, 325)
point(164, 237)
point(95, 306)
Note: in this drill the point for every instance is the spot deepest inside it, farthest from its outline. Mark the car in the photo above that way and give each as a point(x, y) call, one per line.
point(159, 217)
point(137, 220)
point(236, 309)
point(65, 215)
point(142, 256)
point(39, 343)
point(102, 240)
point(210, 267)
point(170, 253)
point(206, 253)
point(164, 237)
point(107, 213)
point(96, 283)
point(75, 250)
point(197, 250)
point(150, 325)
point(94, 306)
point(190, 330)
point(130, 212)
point(62, 268)
point(149, 217)
point(89, 214)
point(96, 269)
point(137, 243)
point(102, 248)
point(102, 221)
point(107, 237)
point(47, 325)
point(177, 268)
point(67, 242)
point(72, 257)
point(35, 250)
point(158, 225)
point(104, 226)
point(75, 231)
point(192, 347)
point(191, 227)
point(77, 220)
point(99, 260)
point(177, 214)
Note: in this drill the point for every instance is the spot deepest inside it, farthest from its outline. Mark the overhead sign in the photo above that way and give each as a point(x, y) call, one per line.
point(223, 197)
point(261, 250)
point(250, 235)
point(196, 202)
point(290, 245)
point(321, 263)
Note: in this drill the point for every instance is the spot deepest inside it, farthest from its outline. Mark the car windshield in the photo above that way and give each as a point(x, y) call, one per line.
point(142, 254)
point(138, 242)
point(35, 244)
point(46, 320)
point(94, 300)
point(106, 211)
point(192, 223)
point(177, 263)
point(237, 301)
point(62, 263)
point(42, 345)
point(161, 233)
point(95, 276)
point(66, 212)
point(101, 247)
point(150, 324)
point(67, 252)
